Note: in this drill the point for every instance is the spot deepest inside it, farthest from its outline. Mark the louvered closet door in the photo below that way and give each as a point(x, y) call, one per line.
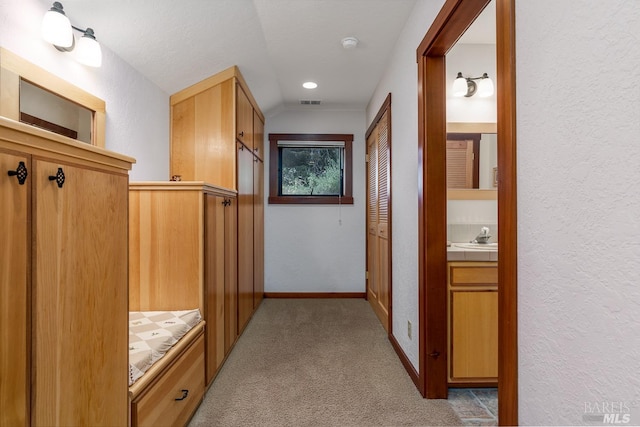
point(372, 219)
point(378, 220)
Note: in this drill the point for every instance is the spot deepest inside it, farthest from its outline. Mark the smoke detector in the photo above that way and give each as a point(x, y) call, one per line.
point(349, 42)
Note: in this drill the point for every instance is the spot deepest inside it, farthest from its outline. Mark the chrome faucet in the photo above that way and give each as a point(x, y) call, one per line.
point(483, 237)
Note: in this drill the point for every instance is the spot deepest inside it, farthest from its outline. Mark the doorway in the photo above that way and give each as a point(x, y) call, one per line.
point(452, 21)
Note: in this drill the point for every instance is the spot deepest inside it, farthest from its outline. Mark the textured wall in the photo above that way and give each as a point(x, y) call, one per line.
point(306, 248)
point(401, 79)
point(137, 110)
point(578, 129)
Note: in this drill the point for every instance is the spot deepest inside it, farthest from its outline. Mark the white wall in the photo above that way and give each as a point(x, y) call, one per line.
point(578, 130)
point(401, 79)
point(137, 110)
point(306, 247)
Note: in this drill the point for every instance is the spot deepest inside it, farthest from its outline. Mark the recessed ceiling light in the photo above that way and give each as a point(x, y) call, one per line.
point(309, 85)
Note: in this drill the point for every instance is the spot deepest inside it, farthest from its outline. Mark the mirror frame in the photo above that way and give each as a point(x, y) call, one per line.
point(475, 193)
point(13, 68)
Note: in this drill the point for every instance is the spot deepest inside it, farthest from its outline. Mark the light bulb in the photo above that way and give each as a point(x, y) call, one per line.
point(459, 86)
point(56, 27)
point(485, 86)
point(88, 50)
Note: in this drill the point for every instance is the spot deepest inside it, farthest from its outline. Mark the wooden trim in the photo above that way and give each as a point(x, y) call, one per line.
point(434, 232)
point(472, 194)
point(408, 366)
point(310, 200)
point(44, 124)
point(11, 65)
point(454, 18)
point(199, 186)
point(468, 127)
point(274, 164)
point(507, 214)
point(47, 144)
point(386, 105)
point(452, 21)
point(315, 295)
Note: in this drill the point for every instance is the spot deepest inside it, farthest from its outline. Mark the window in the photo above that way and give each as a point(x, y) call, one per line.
point(310, 169)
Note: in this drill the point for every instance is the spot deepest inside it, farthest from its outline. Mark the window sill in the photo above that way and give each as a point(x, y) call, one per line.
point(310, 200)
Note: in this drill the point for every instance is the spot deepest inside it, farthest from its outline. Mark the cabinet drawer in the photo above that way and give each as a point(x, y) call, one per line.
point(473, 275)
point(158, 406)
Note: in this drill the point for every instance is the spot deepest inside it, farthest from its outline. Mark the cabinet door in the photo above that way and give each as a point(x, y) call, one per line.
point(258, 136)
point(202, 139)
point(14, 292)
point(231, 273)
point(474, 335)
point(245, 236)
point(79, 305)
point(244, 118)
point(258, 232)
point(214, 284)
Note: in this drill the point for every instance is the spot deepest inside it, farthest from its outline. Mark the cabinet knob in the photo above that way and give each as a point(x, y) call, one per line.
point(226, 202)
point(255, 149)
point(185, 393)
point(241, 133)
point(58, 177)
point(20, 173)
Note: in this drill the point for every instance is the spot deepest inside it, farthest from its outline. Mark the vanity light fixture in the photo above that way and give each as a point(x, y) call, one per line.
point(466, 86)
point(57, 30)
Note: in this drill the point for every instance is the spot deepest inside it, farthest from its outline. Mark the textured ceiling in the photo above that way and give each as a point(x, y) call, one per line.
point(277, 44)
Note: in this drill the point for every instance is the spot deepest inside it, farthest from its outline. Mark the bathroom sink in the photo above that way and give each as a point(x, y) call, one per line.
point(477, 246)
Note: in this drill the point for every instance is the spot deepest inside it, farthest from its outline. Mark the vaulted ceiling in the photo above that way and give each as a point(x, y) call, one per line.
point(277, 44)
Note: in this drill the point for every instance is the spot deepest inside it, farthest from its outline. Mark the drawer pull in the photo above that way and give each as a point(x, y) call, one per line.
point(185, 393)
point(20, 173)
point(58, 178)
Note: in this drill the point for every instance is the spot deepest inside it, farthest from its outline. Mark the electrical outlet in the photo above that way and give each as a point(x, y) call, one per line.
point(409, 328)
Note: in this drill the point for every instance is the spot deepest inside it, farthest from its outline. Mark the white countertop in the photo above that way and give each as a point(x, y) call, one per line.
point(457, 253)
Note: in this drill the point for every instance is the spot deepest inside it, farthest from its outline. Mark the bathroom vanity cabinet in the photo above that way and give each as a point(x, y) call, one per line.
point(472, 326)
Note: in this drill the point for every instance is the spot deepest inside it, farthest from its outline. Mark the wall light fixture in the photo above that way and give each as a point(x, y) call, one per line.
point(57, 30)
point(466, 86)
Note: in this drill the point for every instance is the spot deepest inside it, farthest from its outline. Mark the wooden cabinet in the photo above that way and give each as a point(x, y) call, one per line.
point(182, 255)
point(473, 323)
point(64, 263)
point(217, 136)
point(207, 119)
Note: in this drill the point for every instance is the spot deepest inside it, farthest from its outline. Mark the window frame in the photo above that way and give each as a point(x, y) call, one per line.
point(274, 169)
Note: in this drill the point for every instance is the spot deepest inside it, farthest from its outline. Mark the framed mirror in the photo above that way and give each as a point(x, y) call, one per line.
point(472, 161)
point(32, 95)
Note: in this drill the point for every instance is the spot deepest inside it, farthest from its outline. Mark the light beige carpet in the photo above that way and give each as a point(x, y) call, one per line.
point(316, 362)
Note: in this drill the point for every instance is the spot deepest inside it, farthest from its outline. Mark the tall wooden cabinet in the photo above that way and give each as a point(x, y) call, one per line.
point(63, 286)
point(183, 255)
point(217, 136)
